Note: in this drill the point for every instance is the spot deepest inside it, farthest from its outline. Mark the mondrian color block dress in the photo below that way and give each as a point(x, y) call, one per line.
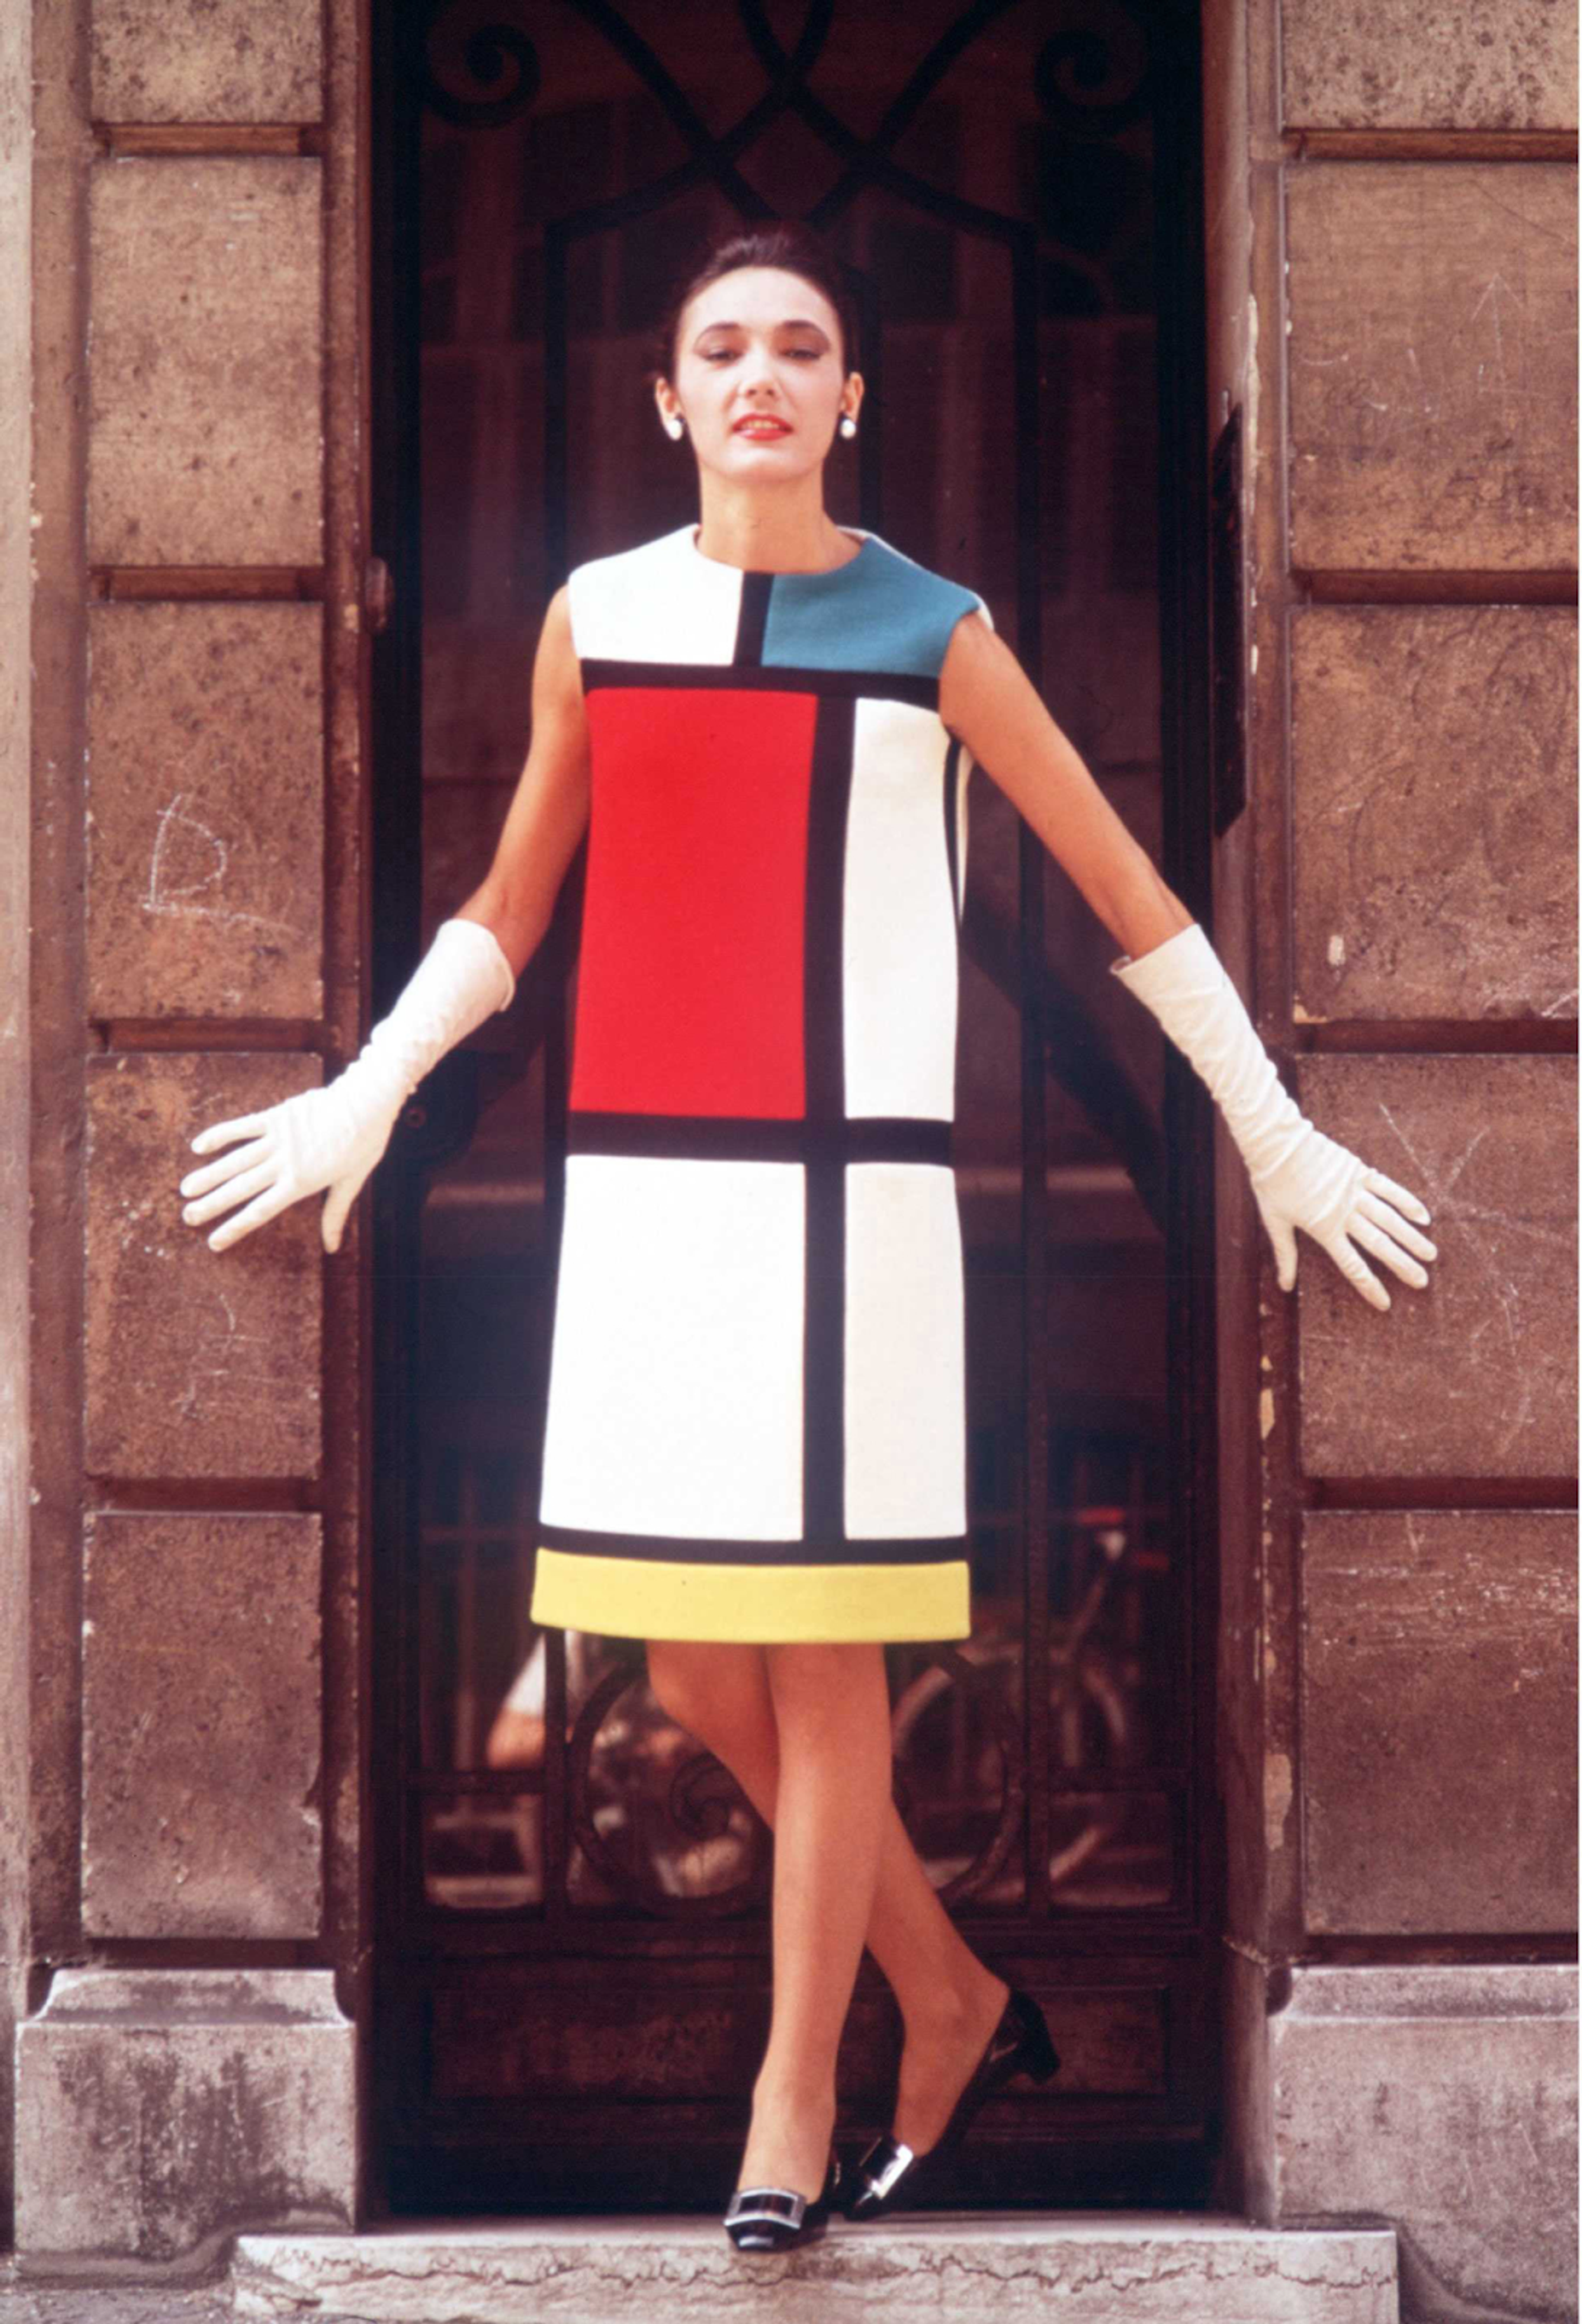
point(756, 1421)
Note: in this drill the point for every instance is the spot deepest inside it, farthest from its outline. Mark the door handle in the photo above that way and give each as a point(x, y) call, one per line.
point(379, 592)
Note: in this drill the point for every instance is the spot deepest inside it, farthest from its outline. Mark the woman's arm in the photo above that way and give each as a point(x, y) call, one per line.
point(549, 812)
point(987, 699)
point(333, 1138)
point(1300, 1177)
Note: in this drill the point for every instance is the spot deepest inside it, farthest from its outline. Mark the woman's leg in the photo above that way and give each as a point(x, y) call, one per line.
point(950, 2001)
point(832, 1719)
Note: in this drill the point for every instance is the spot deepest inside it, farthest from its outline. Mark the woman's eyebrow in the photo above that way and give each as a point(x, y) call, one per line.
point(795, 323)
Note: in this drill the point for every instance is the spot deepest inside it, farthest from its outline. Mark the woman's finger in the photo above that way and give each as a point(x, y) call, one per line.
point(233, 1191)
point(241, 1157)
point(1400, 1195)
point(1386, 1215)
point(1357, 1270)
point(265, 1206)
point(221, 1133)
point(1373, 1238)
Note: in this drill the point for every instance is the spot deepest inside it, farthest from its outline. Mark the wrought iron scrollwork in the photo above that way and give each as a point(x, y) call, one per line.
point(944, 1668)
point(1086, 86)
point(489, 52)
point(1082, 81)
point(702, 1798)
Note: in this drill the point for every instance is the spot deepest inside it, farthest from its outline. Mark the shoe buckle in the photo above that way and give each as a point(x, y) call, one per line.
point(897, 2159)
point(771, 2205)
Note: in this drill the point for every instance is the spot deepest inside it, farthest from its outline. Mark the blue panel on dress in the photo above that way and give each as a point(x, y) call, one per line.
point(879, 612)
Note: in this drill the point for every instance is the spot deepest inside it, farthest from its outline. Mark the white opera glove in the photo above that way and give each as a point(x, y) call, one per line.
point(333, 1136)
point(1300, 1178)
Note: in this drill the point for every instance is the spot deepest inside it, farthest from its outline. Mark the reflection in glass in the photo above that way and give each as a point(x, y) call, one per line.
point(656, 1817)
point(955, 1726)
point(1110, 1628)
point(483, 1853)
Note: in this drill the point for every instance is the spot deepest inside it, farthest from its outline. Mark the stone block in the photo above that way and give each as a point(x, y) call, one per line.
point(1476, 1375)
point(1439, 1719)
point(1365, 64)
point(1444, 2100)
point(1154, 2267)
point(200, 1363)
point(205, 404)
point(206, 60)
point(160, 2109)
point(206, 795)
point(1434, 811)
point(201, 1725)
point(1433, 363)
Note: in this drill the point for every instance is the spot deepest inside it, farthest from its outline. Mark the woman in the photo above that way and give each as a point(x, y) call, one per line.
point(755, 1455)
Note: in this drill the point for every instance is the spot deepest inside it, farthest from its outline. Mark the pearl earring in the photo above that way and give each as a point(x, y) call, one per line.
point(675, 427)
point(848, 426)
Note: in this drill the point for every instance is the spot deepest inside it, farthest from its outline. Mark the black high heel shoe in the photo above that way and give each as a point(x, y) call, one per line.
point(1018, 2044)
point(774, 2218)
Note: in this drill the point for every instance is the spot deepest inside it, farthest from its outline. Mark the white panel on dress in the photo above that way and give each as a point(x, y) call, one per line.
point(661, 602)
point(905, 1351)
point(898, 938)
point(675, 1394)
point(964, 766)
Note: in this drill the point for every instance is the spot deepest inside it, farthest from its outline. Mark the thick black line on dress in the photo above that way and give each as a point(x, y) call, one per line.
point(745, 1138)
point(751, 618)
point(824, 1106)
point(952, 760)
point(738, 678)
point(693, 1549)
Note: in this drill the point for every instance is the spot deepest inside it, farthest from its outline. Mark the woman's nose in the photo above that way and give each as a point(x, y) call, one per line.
point(758, 368)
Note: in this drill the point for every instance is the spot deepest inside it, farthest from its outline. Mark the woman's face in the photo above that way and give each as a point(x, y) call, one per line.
point(756, 346)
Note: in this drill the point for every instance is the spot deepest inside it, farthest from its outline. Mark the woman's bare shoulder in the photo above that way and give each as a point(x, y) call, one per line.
point(977, 667)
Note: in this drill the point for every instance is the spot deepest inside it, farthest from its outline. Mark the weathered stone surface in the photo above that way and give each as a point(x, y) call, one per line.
point(206, 60)
point(201, 1725)
point(1438, 1721)
point(1434, 810)
point(205, 420)
point(1443, 2099)
point(200, 1363)
point(25, 2301)
point(1091, 2268)
point(1433, 358)
point(206, 795)
point(1476, 1375)
point(26, 473)
point(158, 2109)
point(1365, 64)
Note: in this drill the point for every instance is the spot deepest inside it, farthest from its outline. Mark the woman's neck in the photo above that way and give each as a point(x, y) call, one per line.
point(772, 532)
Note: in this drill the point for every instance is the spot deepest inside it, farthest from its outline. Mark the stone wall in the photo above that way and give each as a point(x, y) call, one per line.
point(1393, 272)
point(194, 1725)
point(15, 1045)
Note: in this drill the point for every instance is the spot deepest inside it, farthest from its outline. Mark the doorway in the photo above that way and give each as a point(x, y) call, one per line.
point(573, 1940)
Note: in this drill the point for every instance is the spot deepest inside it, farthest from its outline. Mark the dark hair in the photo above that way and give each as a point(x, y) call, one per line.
point(788, 244)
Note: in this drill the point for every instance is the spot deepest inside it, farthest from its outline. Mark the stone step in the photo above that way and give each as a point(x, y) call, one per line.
point(1109, 2267)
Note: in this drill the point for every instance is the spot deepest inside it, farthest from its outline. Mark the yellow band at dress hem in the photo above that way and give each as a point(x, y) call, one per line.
point(752, 1605)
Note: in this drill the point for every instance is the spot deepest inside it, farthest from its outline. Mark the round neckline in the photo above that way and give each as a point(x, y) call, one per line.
point(821, 573)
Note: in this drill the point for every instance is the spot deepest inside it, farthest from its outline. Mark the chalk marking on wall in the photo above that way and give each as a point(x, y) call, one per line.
point(180, 899)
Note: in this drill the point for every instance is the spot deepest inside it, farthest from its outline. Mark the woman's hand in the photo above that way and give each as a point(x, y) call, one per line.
point(318, 1137)
point(1336, 1197)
